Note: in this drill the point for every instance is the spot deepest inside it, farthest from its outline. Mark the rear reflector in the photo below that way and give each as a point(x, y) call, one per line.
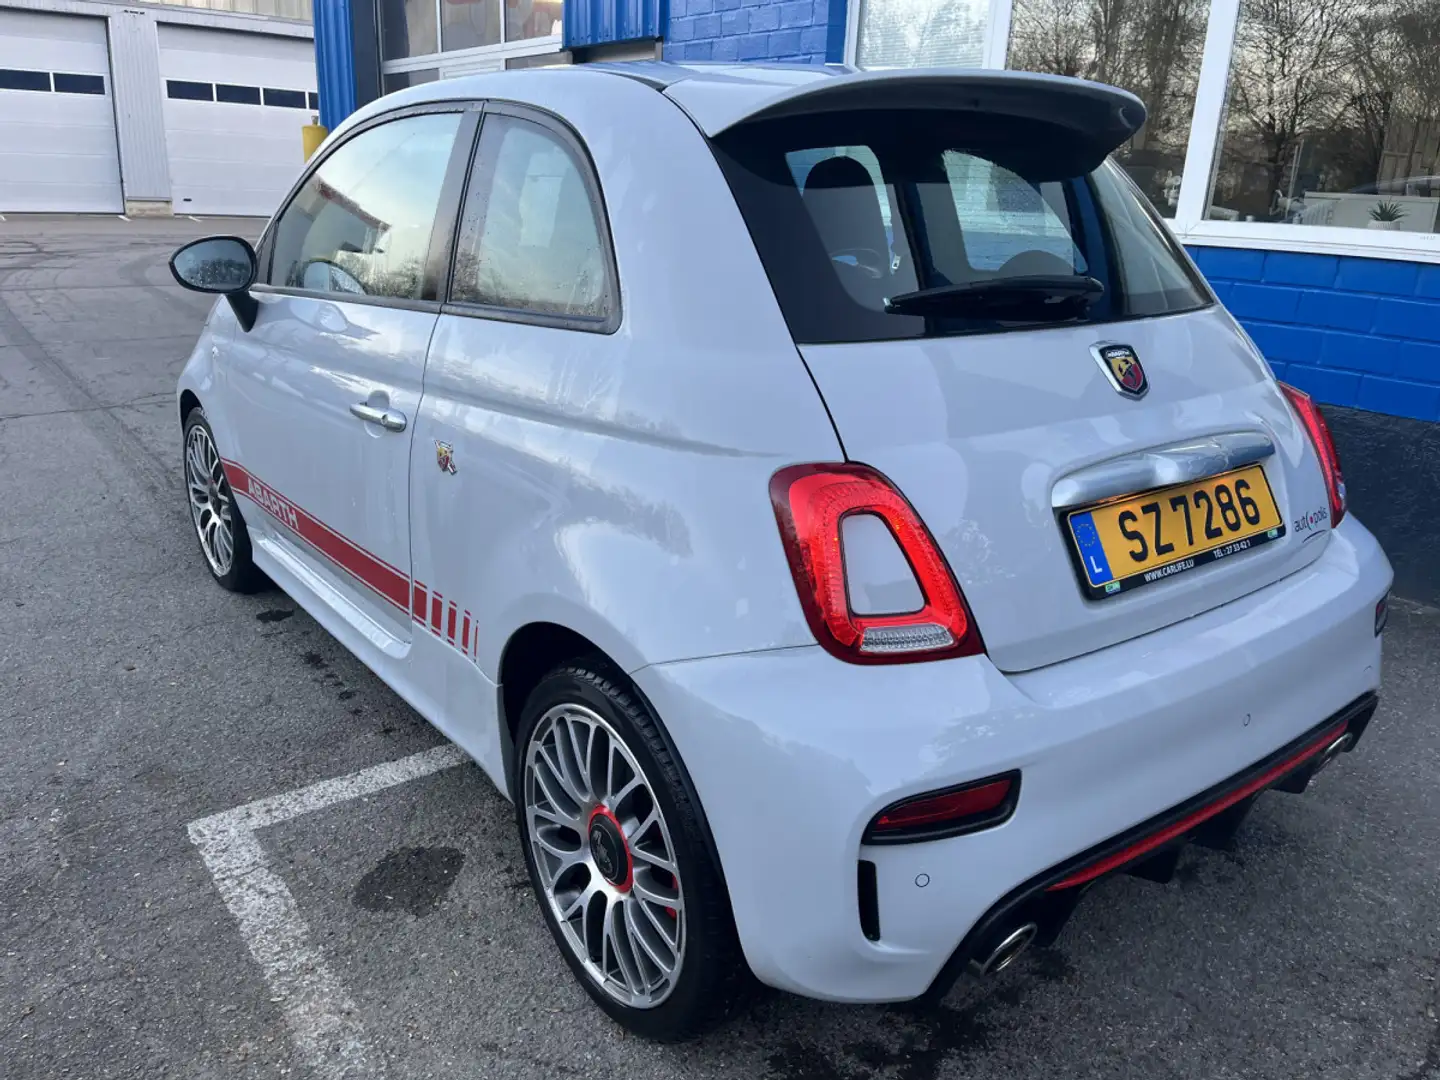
point(1382, 614)
point(867, 894)
point(1319, 432)
point(952, 812)
point(812, 503)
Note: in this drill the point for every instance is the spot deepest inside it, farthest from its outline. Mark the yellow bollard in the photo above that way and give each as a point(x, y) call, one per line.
point(311, 136)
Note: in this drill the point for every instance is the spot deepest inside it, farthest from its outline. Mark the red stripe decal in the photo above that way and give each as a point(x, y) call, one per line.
point(370, 570)
point(1189, 821)
point(379, 575)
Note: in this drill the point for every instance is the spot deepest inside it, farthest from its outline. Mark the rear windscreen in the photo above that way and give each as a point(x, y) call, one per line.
point(883, 225)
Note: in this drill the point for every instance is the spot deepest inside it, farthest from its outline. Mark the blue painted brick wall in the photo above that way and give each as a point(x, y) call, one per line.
point(1357, 332)
point(795, 31)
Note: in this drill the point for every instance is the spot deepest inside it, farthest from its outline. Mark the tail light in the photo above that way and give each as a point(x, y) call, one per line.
point(952, 812)
point(811, 504)
point(1309, 414)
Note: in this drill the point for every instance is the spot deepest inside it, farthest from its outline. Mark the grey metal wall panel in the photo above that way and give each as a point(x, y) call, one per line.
point(139, 121)
point(137, 88)
point(282, 25)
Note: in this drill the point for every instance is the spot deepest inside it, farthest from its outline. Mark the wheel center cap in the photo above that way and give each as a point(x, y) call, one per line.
point(609, 850)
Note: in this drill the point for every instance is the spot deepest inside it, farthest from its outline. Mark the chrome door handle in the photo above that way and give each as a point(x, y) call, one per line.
point(386, 418)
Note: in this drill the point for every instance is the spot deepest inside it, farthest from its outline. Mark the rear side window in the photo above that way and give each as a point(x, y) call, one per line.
point(531, 233)
point(361, 223)
point(884, 225)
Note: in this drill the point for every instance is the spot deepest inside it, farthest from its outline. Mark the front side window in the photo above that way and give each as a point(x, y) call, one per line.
point(530, 237)
point(883, 225)
point(1332, 116)
point(361, 223)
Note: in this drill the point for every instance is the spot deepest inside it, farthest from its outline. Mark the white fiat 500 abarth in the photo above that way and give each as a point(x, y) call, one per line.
point(829, 504)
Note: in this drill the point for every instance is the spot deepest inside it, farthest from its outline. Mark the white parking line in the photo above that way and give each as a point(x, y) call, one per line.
point(323, 1019)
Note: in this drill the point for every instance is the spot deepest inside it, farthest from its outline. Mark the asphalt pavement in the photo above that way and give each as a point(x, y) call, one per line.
point(137, 698)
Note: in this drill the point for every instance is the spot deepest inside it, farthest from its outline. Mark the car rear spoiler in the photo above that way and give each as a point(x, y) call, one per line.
point(1089, 119)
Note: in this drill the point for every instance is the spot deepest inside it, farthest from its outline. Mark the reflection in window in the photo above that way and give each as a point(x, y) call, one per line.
point(407, 28)
point(532, 19)
point(921, 33)
point(1152, 49)
point(362, 222)
point(1332, 116)
point(469, 23)
point(529, 239)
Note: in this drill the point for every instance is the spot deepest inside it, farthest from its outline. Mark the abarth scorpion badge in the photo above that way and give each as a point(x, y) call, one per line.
point(1122, 367)
point(445, 457)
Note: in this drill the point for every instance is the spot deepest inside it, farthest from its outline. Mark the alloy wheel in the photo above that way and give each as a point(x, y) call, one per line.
point(605, 859)
point(211, 502)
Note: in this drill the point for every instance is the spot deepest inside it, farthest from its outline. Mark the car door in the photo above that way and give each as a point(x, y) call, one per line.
point(325, 387)
point(524, 344)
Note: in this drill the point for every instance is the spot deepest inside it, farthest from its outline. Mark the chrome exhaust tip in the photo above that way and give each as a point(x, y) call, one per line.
point(1334, 750)
point(1006, 952)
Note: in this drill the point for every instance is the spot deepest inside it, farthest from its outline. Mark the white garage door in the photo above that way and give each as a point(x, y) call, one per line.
point(57, 123)
point(234, 107)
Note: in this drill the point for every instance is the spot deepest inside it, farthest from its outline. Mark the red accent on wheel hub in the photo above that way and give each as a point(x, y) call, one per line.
point(611, 835)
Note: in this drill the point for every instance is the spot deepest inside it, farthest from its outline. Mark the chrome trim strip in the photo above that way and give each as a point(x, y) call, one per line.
point(1159, 467)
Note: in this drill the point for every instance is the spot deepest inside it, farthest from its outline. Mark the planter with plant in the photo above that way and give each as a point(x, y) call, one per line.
point(1386, 215)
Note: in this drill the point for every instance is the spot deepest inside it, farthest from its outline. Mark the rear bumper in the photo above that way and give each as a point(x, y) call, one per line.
point(1047, 900)
point(792, 752)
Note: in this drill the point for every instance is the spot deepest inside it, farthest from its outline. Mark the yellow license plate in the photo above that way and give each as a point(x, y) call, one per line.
point(1141, 539)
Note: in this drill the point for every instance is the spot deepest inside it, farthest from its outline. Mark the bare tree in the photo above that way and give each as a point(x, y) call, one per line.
point(1051, 36)
point(1149, 47)
point(1286, 82)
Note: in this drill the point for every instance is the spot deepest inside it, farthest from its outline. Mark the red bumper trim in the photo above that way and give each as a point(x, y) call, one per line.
point(1189, 821)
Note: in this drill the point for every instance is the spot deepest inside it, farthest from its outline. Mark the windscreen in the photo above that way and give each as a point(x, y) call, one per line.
point(882, 225)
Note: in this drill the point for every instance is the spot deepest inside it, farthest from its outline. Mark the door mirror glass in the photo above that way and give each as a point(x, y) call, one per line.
point(217, 264)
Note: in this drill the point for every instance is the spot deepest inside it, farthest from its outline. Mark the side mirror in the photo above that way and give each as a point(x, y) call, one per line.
point(220, 264)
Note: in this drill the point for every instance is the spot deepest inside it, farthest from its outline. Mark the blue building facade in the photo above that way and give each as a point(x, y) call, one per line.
point(793, 31)
point(1363, 333)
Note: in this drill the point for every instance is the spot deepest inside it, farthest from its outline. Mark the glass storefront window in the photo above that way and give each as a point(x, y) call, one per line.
point(399, 80)
point(921, 33)
point(1332, 116)
point(532, 18)
point(1152, 49)
point(468, 23)
point(537, 60)
point(407, 28)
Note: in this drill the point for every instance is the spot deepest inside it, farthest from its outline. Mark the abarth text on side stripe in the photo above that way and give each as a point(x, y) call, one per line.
point(830, 505)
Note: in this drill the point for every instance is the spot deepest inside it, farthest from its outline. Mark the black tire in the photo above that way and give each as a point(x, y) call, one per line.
point(712, 973)
point(242, 575)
